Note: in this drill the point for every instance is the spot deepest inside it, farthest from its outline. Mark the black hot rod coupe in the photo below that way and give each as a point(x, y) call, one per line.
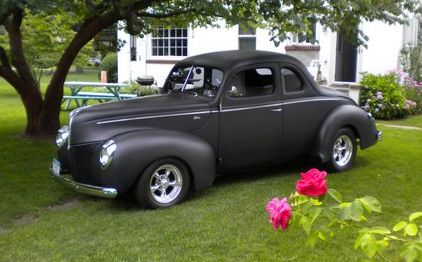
point(220, 111)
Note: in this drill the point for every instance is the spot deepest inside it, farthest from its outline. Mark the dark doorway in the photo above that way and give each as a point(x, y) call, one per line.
point(346, 60)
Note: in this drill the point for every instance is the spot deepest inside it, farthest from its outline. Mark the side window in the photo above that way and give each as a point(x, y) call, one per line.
point(252, 82)
point(292, 82)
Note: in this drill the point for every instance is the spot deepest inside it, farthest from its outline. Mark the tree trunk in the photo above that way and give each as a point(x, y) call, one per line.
point(49, 119)
point(33, 105)
point(43, 116)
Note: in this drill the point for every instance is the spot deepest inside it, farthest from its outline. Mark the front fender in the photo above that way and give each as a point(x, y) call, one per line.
point(138, 149)
point(349, 116)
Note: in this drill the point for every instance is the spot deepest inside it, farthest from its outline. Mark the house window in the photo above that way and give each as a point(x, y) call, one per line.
point(247, 38)
point(169, 41)
point(304, 38)
point(132, 48)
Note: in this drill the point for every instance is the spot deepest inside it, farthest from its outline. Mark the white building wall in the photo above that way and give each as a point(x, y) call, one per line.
point(204, 40)
point(263, 42)
point(385, 42)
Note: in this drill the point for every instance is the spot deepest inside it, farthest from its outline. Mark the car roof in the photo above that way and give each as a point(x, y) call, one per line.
point(234, 58)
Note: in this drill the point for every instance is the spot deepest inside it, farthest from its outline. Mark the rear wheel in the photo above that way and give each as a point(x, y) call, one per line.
point(164, 183)
point(343, 150)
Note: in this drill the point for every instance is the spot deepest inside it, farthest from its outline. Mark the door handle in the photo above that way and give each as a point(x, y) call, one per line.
point(276, 109)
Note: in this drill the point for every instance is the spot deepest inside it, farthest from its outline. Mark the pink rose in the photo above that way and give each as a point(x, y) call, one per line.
point(313, 183)
point(279, 212)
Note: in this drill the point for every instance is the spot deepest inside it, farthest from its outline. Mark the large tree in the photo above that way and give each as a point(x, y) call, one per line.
point(91, 16)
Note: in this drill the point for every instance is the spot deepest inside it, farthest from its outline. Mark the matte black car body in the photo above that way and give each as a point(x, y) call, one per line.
point(212, 133)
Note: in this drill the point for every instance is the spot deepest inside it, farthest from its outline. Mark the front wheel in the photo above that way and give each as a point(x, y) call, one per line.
point(343, 150)
point(164, 183)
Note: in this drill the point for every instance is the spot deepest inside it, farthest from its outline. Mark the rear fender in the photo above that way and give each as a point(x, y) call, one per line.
point(349, 116)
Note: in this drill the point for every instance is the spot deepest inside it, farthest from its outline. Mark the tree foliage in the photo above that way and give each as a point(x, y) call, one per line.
point(44, 39)
point(88, 17)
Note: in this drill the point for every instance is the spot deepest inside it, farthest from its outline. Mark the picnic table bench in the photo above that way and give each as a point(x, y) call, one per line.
point(81, 98)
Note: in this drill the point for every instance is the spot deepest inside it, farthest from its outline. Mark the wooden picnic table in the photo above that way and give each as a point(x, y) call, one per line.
point(81, 98)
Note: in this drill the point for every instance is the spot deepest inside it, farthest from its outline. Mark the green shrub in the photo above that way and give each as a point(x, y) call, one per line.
point(136, 89)
point(383, 96)
point(109, 64)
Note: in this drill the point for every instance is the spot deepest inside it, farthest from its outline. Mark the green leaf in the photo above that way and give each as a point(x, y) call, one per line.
point(345, 212)
point(335, 195)
point(409, 253)
point(415, 216)
point(358, 241)
point(321, 235)
point(380, 231)
point(315, 212)
point(306, 224)
point(411, 229)
point(306, 206)
point(399, 226)
point(357, 211)
point(370, 203)
point(312, 239)
point(368, 244)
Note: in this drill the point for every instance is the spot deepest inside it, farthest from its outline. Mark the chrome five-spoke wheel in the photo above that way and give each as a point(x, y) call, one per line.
point(163, 183)
point(166, 183)
point(343, 150)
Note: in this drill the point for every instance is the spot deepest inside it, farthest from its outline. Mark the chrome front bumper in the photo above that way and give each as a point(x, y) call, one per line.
point(79, 187)
point(379, 135)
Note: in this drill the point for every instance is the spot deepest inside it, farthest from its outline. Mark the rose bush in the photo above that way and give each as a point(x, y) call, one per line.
point(321, 213)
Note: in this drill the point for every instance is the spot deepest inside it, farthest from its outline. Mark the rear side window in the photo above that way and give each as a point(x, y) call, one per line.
point(252, 82)
point(292, 82)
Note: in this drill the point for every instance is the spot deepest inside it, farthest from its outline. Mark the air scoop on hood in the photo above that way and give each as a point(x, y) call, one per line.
point(174, 111)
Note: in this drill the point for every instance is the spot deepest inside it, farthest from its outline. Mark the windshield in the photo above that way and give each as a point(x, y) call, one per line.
point(198, 80)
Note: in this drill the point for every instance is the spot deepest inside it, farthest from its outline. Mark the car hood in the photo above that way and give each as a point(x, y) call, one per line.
point(171, 111)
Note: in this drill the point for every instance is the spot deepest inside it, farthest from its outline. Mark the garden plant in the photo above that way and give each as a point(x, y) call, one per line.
point(391, 96)
point(321, 212)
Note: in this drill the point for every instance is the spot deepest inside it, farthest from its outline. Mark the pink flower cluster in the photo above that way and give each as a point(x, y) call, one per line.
point(311, 184)
point(404, 78)
point(409, 104)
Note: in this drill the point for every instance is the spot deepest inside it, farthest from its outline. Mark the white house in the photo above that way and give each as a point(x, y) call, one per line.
point(156, 53)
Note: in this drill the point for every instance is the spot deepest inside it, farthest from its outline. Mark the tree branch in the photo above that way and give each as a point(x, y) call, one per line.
point(3, 58)
point(13, 79)
point(166, 15)
point(16, 48)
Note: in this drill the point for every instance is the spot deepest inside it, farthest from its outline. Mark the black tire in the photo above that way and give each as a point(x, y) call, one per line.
point(171, 188)
point(342, 150)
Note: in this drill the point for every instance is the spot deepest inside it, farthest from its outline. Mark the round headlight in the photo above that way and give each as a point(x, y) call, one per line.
point(107, 153)
point(62, 136)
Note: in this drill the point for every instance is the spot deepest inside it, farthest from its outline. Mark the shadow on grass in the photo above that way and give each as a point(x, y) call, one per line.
point(126, 201)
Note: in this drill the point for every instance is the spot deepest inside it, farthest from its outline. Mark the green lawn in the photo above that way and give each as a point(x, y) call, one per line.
point(410, 121)
point(41, 220)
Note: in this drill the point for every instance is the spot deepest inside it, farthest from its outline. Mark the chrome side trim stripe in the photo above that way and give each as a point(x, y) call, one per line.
point(250, 107)
point(311, 100)
point(222, 110)
point(152, 116)
point(279, 104)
